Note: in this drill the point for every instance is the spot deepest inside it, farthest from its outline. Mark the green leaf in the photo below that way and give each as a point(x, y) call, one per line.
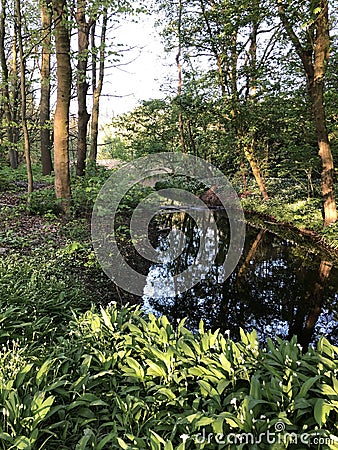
point(22, 375)
point(109, 438)
point(22, 443)
point(226, 365)
point(167, 393)
point(203, 421)
point(185, 349)
point(106, 319)
point(307, 385)
point(223, 384)
point(6, 437)
point(44, 369)
point(122, 444)
point(156, 441)
point(322, 411)
point(155, 369)
point(136, 366)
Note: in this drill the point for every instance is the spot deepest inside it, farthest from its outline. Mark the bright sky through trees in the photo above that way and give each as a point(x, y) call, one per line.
point(142, 78)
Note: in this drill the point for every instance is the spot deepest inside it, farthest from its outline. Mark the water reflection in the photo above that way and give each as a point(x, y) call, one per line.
point(278, 288)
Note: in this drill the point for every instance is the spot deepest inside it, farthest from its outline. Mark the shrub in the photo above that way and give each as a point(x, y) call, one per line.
point(119, 379)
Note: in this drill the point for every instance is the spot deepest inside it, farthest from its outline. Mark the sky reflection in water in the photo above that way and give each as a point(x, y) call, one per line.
point(278, 288)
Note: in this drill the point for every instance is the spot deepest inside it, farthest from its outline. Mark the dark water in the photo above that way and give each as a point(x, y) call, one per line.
point(278, 288)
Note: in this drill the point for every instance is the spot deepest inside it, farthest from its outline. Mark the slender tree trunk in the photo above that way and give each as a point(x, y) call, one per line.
point(12, 153)
point(61, 117)
point(18, 25)
point(217, 54)
point(82, 85)
point(249, 151)
point(243, 172)
point(242, 131)
point(15, 96)
point(314, 56)
point(250, 156)
point(45, 134)
point(180, 80)
point(97, 87)
point(192, 139)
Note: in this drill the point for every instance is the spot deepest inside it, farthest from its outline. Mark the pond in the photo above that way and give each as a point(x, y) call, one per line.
point(279, 288)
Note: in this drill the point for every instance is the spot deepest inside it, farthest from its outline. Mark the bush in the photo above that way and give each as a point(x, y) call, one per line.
point(119, 379)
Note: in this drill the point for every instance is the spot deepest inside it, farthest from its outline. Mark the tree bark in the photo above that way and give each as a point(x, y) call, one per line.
point(321, 56)
point(61, 117)
point(12, 152)
point(314, 56)
point(250, 150)
point(18, 25)
point(97, 87)
point(15, 96)
point(45, 135)
point(250, 156)
point(82, 85)
point(180, 80)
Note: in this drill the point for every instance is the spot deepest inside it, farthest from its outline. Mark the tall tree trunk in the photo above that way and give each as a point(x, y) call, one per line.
point(12, 152)
point(250, 156)
point(15, 96)
point(242, 131)
point(249, 150)
point(180, 80)
point(192, 139)
point(217, 54)
point(321, 56)
point(61, 117)
point(314, 55)
point(45, 135)
point(82, 85)
point(18, 25)
point(97, 87)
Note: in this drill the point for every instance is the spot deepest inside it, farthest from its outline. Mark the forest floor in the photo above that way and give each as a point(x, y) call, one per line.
point(28, 227)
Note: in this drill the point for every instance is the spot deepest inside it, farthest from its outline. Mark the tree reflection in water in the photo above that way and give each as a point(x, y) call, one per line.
point(278, 288)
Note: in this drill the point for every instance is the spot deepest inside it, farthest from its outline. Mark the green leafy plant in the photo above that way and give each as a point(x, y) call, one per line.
point(120, 379)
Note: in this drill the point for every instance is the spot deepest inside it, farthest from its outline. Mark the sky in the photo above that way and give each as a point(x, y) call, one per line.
point(142, 78)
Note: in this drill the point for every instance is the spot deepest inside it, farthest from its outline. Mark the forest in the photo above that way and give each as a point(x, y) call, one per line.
point(248, 116)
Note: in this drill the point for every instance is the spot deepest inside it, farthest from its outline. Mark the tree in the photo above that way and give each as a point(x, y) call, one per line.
point(312, 47)
point(84, 27)
point(179, 72)
point(18, 27)
point(45, 135)
point(8, 105)
point(97, 82)
point(213, 34)
point(61, 117)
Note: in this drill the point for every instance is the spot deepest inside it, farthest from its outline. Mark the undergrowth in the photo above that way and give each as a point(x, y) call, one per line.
point(289, 203)
point(119, 379)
